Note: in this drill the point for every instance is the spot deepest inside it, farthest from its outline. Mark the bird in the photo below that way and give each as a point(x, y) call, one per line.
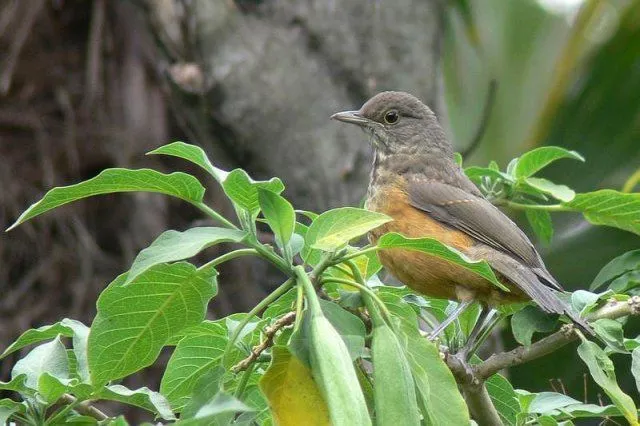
point(416, 181)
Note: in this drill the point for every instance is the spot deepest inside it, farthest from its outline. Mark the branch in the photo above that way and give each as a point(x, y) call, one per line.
point(84, 407)
point(612, 310)
point(472, 378)
point(270, 333)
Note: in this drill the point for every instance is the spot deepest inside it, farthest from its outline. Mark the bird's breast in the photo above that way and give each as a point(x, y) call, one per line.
point(427, 274)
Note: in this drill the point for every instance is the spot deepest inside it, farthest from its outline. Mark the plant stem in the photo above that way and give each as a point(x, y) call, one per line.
point(284, 287)
point(550, 207)
point(272, 257)
point(364, 289)
point(215, 215)
point(358, 253)
point(228, 256)
point(309, 289)
point(244, 380)
point(299, 307)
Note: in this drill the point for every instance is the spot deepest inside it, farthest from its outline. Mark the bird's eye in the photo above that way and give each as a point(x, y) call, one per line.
point(391, 117)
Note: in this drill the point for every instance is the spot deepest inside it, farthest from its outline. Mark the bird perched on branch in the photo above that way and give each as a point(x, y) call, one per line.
point(416, 182)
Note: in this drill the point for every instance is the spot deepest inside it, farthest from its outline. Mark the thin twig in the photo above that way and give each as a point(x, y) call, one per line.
point(270, 333)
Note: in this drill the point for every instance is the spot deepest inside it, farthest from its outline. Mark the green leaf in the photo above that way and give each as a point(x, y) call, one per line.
point(504, 398)
point(134, 322)
point(48, 358)
point(610, 208)
point(560, 192)
point(177, 184)
point(540, 221)
point(583, 301)
point(436, 248)
point(7, 408)
point(591, 410)
point(171, 246)
point(438, 395)
point(51, 388)
point(635, 366)
point(350, 327)
point(331, 364)
point(394, 388)
point(206, 387)
point(547, 402)
point(625, 282)
point(626, 262)
point(37, 335)
point(279, 214)
point(194, 356)
point(333, 229)
point(17, 384)
point(611, 332)
point(291, 391)
point(142, 397)
point(243, 190)
point(530, 320)
point(533, 161)
point(601, 369)
point(220, 404)
point(194, 154)
point(476, 174)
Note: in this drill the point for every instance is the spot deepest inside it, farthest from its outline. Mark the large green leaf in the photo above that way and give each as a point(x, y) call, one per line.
point(618, 266)
point(331, 364)
point(394, 388)
point(135, 321)
point(192, 153)
point(173, 245)
point(194, 356)
point(243, 190)
point(602, 371)
point(438, 395)
point(533, 161)
point(609, 207)
point(333, 229)
point(434, 247)
point(350, 327)
point(177, 184)
point(50, 358)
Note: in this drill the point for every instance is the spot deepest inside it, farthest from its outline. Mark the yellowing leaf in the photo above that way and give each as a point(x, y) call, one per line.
point(293, 396)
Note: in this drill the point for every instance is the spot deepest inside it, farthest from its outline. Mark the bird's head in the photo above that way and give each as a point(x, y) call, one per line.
point(398, 123)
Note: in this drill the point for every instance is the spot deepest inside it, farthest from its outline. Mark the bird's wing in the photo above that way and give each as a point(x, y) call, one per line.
point(478, 218)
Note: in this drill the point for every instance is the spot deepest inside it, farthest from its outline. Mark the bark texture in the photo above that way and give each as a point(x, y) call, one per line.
point(86, 85)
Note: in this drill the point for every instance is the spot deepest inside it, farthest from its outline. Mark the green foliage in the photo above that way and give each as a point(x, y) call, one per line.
point(350, 354)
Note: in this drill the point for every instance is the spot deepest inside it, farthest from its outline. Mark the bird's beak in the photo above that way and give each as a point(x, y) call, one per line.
point(352, 117)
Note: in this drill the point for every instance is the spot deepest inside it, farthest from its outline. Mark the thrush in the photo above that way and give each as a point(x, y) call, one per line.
point(416, 181)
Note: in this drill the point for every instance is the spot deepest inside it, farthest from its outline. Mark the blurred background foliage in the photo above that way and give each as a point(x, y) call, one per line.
point(566, 73)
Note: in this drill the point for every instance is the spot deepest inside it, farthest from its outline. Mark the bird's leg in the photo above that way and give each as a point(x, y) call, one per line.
point(469, 348)
point(462, 306)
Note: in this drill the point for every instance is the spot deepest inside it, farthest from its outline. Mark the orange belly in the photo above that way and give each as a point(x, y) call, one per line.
point(426, 274)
